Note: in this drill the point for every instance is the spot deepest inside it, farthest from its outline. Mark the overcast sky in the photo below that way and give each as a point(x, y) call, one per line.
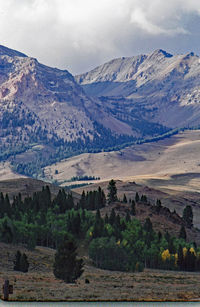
point(80, 34)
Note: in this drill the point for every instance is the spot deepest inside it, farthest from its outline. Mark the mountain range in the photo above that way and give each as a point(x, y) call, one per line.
point(47, 114)
point(158, 87)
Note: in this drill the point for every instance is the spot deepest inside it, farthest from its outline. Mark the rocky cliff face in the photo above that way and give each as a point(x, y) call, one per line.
point(160, 87)
point(50, 96)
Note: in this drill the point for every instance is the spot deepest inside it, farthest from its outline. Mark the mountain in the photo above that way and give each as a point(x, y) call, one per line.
point(158, 87)
point(45, 115)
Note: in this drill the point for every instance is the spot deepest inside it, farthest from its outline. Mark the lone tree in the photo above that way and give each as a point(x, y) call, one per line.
point(188, 216)
point(112, 191)
point(21, 262)
point(66, 266)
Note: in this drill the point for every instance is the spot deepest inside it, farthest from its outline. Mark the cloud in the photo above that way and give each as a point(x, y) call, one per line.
point(80, 34)
point(144, 23)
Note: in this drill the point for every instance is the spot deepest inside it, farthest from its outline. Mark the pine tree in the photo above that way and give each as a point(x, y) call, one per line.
point(112, 217)
point(159, 236)
point(133, 211)
point(148, 225)
point(180, 261)
point(21, 262)
point(158, 205)
point(188, 216)
point(106, 219)
point(144, 198)
point(98, 225)
point(182, 233)
point(17, 261)
point(124, 199)
point(24, 264)
point(137, 198)
point(83, 201)
point(66, 266)
point(112, 191)
point(128, 218)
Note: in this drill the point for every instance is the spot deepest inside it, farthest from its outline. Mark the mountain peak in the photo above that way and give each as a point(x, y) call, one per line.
point(10, 52)
point(161, 52)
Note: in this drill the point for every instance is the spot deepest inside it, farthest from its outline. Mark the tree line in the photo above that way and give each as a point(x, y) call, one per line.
point(114, 242)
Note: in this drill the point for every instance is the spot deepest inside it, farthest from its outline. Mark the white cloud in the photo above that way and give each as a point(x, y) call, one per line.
point(79, 34)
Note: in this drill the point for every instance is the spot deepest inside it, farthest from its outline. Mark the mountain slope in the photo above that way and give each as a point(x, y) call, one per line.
point(44, 113)
point(158, 87)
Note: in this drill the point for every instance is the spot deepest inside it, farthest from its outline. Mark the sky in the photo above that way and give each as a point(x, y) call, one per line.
point(79, 35)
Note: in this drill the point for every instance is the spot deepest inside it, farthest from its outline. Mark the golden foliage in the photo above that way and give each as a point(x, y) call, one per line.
point(165, 255)
point(184, 251)
point(192, 251)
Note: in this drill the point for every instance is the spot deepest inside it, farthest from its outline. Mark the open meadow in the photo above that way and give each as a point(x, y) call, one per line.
point(39, 284)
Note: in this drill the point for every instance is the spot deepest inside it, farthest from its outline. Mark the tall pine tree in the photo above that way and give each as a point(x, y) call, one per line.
point(66, 265)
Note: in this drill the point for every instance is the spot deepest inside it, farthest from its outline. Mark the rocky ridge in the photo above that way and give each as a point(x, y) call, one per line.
point(163, 86)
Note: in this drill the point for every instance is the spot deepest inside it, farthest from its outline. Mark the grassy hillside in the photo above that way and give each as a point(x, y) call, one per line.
point(39, 284)
point(178, 154)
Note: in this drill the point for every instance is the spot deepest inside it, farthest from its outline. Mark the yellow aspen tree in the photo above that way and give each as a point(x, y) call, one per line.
point(184, 251)
point(192, 251)
point(165, 255)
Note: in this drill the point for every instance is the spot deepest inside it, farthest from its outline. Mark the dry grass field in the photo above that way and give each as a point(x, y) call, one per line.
point(39, 284)
point(6, 172)
point(177, 155)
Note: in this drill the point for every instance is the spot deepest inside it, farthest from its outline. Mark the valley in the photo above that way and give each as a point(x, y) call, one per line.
point(76, 133)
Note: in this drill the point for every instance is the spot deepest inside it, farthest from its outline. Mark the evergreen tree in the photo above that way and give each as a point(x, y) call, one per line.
point(158, 205)
point(182, 233)
point(159, 236)
point(98, 225)
point(112, 191)
point(171, 246)
point(24, 264)
point(148, 225)
point(190, 260)
point(6, 231)
point(133, 211)
point(180, 261)
point(188, 216)
point(83, 201)
point(21, 262)
point(128, 218)
point(112, 217)
point(124, 199)
point(66, 266)
point(106, 219)
point(137, 198)
point(7, 206)
point(17, 261)
point(144, 198)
